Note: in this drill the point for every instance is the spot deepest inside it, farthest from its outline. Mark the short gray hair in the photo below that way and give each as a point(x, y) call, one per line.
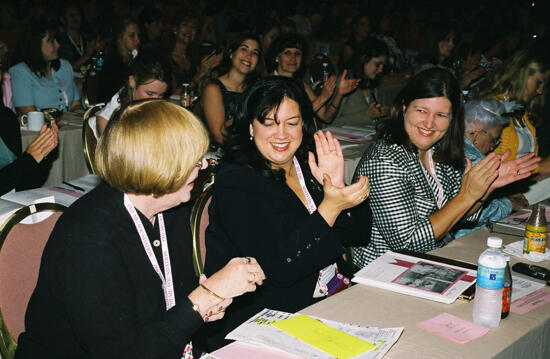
point(489, 113)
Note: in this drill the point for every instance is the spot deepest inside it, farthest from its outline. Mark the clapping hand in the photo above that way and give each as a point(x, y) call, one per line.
point(44, 143)
point(515, 170)
point(345, 85)
point(476, 180)
point(328, 87)
point(330, 159)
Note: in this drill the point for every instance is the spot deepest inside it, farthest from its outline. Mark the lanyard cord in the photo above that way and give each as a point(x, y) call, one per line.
point(311, 207)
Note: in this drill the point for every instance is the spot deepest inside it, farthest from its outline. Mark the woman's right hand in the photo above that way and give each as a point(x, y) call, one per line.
point(44, 143)
point(240, 275)
point(476, 180)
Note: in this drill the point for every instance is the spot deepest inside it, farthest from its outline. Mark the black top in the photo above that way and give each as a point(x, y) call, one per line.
point(231, 100)
point(98, 295)
point(112, 77)
point(251, 215)
point(24, 172)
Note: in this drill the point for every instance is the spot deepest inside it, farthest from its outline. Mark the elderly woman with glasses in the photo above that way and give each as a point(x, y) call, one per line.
point(116, 278)
point(484, 121)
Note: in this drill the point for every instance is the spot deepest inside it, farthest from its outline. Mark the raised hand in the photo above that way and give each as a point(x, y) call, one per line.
point(477, 180)
point(515, 170)
point(330, 159)
point(345, 85)
point(328, 87)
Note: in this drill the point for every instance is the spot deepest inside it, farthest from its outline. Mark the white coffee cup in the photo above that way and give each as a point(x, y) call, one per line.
point(33, 120)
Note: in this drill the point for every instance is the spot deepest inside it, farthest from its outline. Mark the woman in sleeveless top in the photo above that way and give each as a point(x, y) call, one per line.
point(221, 97)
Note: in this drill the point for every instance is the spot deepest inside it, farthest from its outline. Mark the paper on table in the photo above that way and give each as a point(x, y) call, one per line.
point(521, 287)
point(238, 350)
point(516, 249)
point(453, 328)
point(321, 336)
point(530, 301)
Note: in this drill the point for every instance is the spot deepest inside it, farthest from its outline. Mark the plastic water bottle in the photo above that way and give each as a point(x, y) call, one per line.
point(489, 284)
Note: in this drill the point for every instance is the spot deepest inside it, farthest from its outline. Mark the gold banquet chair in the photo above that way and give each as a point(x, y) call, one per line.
point(89, 141)
point(21, 247)
point(199, 222)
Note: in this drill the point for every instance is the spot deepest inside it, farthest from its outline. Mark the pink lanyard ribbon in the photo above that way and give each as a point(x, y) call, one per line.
point(166, 279)
point(434, 176)
point(311, 207)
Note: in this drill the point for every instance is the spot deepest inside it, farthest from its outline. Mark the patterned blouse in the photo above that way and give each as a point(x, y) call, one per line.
point(402, 198)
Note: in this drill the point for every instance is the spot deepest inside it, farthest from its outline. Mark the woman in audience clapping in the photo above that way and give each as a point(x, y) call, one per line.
point(41, 79)
point(361, 107)
point(116, 278)
point(421, 187)
point(484, 120)
point(276, 200)
point(150, 76)
point(287, 58)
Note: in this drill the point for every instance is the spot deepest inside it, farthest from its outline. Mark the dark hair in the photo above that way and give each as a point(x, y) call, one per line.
point(261, 98)
point(433, 82)
point(368, 49)
point(263, 26)
point(148, 65)
point(29, 46)
point(226, 63)
point(287, 41)
point(429, 47)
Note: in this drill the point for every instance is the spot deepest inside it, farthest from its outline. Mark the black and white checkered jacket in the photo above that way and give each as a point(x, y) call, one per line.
point(401, 198)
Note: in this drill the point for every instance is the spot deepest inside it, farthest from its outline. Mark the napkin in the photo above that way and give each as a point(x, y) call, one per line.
point(516, 249)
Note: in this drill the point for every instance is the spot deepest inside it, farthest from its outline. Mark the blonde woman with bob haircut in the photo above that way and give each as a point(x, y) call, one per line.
point(116, 279)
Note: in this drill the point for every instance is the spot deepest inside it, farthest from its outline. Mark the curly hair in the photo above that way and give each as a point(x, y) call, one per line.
point(259, 100)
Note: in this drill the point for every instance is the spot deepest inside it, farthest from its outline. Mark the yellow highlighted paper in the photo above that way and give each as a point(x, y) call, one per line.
point(332, 341)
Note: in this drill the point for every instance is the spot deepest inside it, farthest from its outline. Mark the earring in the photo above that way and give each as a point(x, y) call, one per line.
point(251, 138)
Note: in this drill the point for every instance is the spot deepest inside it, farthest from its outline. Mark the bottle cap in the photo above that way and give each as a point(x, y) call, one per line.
point(507, 257)
point(494, 242)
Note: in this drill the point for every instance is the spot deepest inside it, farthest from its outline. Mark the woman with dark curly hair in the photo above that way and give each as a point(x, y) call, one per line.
point(275, 200)
point(41, 79)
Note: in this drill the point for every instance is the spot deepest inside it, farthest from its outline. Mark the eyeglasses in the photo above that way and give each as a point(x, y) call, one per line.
point(494, 141)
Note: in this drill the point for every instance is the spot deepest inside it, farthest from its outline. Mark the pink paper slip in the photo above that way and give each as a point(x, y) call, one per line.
point(239, 350)
point(453, 328)
point(530, 301)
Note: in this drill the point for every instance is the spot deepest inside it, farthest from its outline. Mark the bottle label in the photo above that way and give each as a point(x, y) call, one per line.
point(490, 278)
point(534, 241)
point(506, 299)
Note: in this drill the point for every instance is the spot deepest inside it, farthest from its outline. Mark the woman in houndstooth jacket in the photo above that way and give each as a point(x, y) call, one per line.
point(421, 184)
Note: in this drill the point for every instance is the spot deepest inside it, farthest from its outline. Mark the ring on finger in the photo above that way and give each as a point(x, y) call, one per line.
point(517, 172)
point(248, 260)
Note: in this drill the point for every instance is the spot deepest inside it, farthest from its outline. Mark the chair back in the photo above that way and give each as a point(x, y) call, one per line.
point(89, 90)
point(21, 247)
point(199, 222)
point(89, 141)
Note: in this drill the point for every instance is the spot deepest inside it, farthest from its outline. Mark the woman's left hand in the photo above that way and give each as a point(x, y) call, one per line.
point(345, 85)
point(515, 170)
point(330, 159)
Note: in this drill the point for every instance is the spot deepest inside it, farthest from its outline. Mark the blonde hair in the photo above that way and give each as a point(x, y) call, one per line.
point(150, 148)
point(511, 77)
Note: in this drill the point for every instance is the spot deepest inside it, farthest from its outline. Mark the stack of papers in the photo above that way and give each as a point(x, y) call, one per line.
point(299, 336)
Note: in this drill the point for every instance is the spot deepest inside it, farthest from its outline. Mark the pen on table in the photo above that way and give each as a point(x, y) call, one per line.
point(73, 186)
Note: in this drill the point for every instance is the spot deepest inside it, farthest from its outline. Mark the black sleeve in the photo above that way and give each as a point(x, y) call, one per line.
point(254, 224)
point(353, 226)
point(101, 306)
point(18, 172)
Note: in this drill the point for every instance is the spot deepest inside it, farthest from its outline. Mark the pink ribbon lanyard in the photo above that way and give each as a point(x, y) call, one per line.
point(166, 279)
point(311, 207)
point(434, 176)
